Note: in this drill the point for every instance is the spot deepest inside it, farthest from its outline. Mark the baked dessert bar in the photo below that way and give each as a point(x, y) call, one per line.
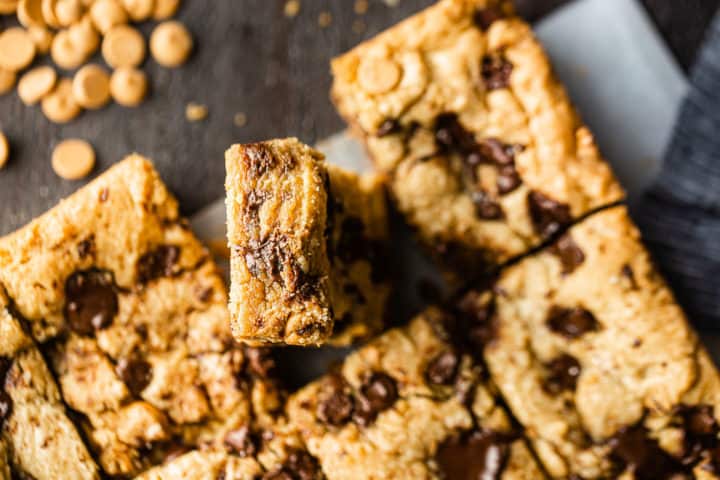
point(37, 439)
point(132, 315)
point(410, 404)
point(306, 243)
point(485, 155)
point(597, 361)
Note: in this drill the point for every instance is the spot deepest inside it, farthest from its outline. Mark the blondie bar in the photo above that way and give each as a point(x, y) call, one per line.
point(598, 363)
point(306, 242)
point(485, 155)
point(410, 404)
point(132, 316)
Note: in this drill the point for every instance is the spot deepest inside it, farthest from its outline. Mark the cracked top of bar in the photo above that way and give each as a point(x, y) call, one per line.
point(485, 155)
point(306, 241)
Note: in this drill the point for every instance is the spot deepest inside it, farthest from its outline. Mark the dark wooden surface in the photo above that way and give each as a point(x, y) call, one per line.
point(251, 59)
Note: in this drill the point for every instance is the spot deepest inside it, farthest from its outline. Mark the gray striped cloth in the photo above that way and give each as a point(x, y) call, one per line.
point(679, 215)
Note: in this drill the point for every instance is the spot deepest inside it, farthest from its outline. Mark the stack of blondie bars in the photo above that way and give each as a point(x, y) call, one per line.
point(561, 354)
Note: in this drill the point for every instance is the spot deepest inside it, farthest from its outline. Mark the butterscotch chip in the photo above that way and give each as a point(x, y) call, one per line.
point(106, 14)
point(36, 83)
point(292, 8)
point(378, 75)
point(29, 13)
point(123, 46)
point(4, 150)
point(195, 112)
point(17, 49)
point(165, 9)
point(139, 10)
point(66, 53)
point(42, 38)
point(128, 86)
point(8, 6)
point(68, 12)
point(84, 35)
point(73, 159)
point(59, 106)
point(7, 80)
point(48, 12)
point(361, 7)
point(91, 87)
point(240, 119)
point(171, 44)
point(324, 19)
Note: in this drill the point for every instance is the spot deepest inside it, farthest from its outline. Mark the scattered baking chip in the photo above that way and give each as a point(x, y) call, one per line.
point(358, 26)
point(128, 86)
point(123, 46)
point(17, 49)
point(73, 159)
point(171, 44)
point(139, 10)
point(67, 54)
point(4, 150)
point(240, 119)
point(48, 11)
point(42, 38)
point(324, 19)
point(29, 13)
point(36, 83)
point(292, 8)
point(91, 87)
point(361, 7)
point(391, 3)
point(84, 35)
point(68, 12)
point(195, 112)
point(7, 81)
point(106, 14)
point(59, 106)
point(165, 9)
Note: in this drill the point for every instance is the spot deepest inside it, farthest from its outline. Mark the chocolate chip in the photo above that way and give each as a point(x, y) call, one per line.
point(485, 207)
point(628, 273)
point(451, 136)
point(92, 301)
point(484, 17)
point(502, 154)
point(547, 215)
point(6, 405)
point(378, 393)
point(473, 456)
point(569, 253)
point(86, 247)
point(258, 159)
point(160, 262)
point(475, 318)
point(442, 369)
point(632, 448)
point(241, 442)
point(496, 70)
point(388, 127)
point(260, 361)
point(136, 373)
point(563, 372)
point(571, 323)
point(700, 432)
point(300, 465)
point(336, 409)
point(508, 179)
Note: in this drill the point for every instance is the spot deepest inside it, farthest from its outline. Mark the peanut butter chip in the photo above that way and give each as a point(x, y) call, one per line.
point(17, 49)
point(48, 12)
point(128, 86)
point(30, 14)
point(84, 36)
point(35, 84)
point(106, 14)
point(378, 75)
point(139, 10)
point(65, 52)
point(68, 12)
point(91, 87)
point(42, 38)
point(7, 81)
point(195, 112)
point(165, 9)
point(170, 44)
point(59, 106)
point(73, 159)
point(4, 150)
point(123, 46)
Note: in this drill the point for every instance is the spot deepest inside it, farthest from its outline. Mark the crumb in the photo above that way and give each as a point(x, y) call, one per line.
point(292, 8)
point(240, 119)
point(324, 19)
point(195, 112)
point(358, 26)
point(361, 7)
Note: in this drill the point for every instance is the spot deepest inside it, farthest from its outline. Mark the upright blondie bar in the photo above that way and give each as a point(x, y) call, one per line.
point(598, 363)
point(132, 315)
point(306, 242)
point(486, 157)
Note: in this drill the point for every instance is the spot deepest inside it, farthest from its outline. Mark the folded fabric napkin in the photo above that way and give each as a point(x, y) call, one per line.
point(679, 214)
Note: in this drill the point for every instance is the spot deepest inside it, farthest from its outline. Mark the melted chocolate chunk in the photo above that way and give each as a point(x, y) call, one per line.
point(474, 456)
point(547, 215)
point(484, 17)
point(267, 258)
point(485, 207)
point(260, 361)
point(388, 127)
point(378, 393)
point(92, 301)
point(700, 432)
point(241, 441)
point(496, 70)
point(161, 262)
point(563, 373)
point(451, 136)
point(300, 465)
point(258, 159)
point(501, 154)
point(571, 323)
point(569, 253)
point(136, 373)
point(443, 368)
point(632, 448)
